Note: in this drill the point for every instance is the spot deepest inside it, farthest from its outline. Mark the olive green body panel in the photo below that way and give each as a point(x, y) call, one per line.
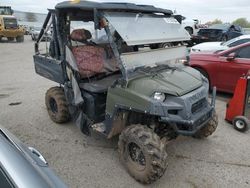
point(127, 98)
point(10, 32)
point(139, 91)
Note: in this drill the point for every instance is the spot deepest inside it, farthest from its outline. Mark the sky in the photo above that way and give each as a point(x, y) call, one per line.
point(204, 10)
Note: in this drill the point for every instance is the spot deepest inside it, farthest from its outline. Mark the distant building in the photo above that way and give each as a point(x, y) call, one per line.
point(30, 19)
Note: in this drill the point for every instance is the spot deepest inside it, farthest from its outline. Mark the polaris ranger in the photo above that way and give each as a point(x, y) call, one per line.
point(111, 82)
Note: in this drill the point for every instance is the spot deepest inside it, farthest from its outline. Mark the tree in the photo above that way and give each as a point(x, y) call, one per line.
point(216, 21)
point(242, 22)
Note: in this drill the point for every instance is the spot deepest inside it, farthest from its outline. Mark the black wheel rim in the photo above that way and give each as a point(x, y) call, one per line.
point(136, 155)
point(53, 105)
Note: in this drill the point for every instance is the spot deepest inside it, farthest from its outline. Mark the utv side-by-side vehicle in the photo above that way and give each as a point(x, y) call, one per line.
point(112, 82)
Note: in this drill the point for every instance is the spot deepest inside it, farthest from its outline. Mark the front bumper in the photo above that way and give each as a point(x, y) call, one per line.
point(191, 126)
point(11, 32)
point(201, 39)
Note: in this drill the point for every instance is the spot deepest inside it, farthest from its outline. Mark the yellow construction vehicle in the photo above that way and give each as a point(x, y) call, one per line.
point(9, 27)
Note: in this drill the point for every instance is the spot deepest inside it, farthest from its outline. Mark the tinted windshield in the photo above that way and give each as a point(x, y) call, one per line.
point(138, 29)
point(219, 26)
point(5, 11)
point(153, 58)
point(10, 22)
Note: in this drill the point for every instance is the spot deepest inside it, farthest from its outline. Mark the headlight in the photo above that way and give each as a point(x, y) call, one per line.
point(159, 96)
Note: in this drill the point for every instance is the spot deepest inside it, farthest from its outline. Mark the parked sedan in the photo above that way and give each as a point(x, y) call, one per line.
point(223, 68)
point(24, 167)
point(218, 32)
point(216, 46)
point(35, 31)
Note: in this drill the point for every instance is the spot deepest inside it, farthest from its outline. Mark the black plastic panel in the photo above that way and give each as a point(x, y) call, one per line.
point(247, 103)
point(49, 68)
point(94, 106)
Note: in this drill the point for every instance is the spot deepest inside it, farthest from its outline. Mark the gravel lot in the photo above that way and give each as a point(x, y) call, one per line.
point(222, 160)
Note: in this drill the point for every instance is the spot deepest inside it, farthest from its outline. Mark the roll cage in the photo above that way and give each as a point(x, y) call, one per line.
point(59, 20)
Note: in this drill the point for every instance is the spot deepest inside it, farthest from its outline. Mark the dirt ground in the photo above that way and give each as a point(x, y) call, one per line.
point(222, 160)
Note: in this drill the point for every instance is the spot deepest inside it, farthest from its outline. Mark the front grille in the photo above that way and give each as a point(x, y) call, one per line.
point(10, 23)
point(198, 105)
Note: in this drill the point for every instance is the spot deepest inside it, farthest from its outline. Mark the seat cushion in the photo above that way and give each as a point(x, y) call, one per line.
point(89, 60)
point(80, 35)
point(100, 86)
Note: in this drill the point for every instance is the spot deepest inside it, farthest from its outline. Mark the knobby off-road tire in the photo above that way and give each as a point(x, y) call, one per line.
point(10, 38)
point(208, 129)
point(142, 153)
point(20, 38)
point(56, 105)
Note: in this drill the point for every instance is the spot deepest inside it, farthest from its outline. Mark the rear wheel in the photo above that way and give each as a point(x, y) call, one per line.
point(56, 105)
point(20, 38)
point(142, 153)
point(10, 38)
point(208, 129)
point(165, 45)
point(241, 123)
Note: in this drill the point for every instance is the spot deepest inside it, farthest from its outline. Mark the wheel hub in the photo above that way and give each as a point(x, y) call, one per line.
point(53, 105)
point(240, 124)
point(136, 154)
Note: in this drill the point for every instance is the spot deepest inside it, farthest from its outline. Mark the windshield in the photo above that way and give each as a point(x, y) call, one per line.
point(10, 22)
point(219, 26)
point(5, 11)
point(139, 29)
point(153, 58)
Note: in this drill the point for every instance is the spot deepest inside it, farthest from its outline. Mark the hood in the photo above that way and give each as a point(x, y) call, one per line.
point(208, 46)
point(174, 82)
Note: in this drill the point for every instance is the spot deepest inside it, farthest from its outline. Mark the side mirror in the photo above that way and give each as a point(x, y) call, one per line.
point(231, 56)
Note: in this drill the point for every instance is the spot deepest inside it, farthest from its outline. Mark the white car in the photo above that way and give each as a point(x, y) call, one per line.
point(190, 25)
point(218, 46)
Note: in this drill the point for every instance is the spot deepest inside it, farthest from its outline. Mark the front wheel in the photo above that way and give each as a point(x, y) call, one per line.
point(142, 153)
point(209, 128)
point(10, 38)
point(241, 123)
point(20, 38)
